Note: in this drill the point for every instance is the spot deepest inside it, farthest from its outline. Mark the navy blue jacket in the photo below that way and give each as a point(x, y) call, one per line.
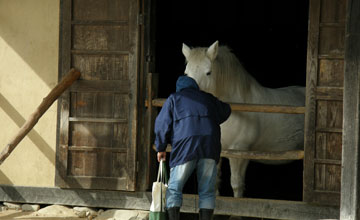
point(190, 121)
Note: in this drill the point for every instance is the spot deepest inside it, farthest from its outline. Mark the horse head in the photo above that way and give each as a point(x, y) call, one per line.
point(199, 63)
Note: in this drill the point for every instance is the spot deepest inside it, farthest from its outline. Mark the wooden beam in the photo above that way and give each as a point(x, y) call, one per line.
point(350, 173)
point(287, 109)
point(260, 208)
point(258, 155)
point(273, 209)
point(54, 94)
point(262, 155)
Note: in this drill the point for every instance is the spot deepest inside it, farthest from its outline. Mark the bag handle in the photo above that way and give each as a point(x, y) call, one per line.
point(162, 176)
point(162, 173)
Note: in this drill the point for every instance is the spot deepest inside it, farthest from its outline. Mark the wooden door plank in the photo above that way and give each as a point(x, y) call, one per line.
point(324, 94)
point(101, 40)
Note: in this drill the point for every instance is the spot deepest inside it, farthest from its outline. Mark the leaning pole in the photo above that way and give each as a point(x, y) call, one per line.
point(54, 94)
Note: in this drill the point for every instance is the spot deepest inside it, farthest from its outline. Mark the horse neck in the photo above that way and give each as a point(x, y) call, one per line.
point(237, 85)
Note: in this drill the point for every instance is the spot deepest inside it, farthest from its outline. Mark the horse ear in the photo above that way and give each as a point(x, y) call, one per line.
point(212, 51)
point(186, 50)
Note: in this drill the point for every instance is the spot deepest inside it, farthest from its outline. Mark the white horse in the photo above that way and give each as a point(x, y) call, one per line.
point(218, 71)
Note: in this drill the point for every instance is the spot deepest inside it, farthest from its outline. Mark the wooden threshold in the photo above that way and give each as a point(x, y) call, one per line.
point(261, 208)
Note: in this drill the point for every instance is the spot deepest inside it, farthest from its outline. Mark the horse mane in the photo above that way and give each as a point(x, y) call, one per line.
point(229, 72)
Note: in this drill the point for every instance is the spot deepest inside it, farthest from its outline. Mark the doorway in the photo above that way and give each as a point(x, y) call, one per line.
point(270, 39)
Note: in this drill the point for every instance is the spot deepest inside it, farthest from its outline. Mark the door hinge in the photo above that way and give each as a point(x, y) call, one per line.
point(140, 19)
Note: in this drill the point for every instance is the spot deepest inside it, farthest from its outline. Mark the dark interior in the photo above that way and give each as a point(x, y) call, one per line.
point(270, 39)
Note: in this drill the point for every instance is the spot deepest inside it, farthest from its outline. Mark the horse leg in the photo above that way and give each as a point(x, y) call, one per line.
point(238, 170)
point(218, 178)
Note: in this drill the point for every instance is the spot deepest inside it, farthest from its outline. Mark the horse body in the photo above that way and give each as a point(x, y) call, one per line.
point(218, 71)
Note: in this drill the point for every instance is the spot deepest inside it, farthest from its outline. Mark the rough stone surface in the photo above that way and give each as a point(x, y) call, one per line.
point(56, 210)
point(59, 212)
point(3, 208)
point(12, 205)
point(30, 208)
point(83, 212)
point(116, 214)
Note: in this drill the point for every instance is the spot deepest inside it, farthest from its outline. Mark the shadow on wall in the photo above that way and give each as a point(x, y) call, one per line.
point(31, 29)
point(33, 135)
point(4, 178)
point(11, 193)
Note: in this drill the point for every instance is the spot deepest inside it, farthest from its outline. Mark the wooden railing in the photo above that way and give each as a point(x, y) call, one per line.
point(258, 155)
point(287, 109)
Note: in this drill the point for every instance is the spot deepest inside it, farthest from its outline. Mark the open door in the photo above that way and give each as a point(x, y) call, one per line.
point(98, 115)
point(324, 102)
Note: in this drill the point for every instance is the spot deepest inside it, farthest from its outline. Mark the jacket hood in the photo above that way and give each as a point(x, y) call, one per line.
point(186, 82)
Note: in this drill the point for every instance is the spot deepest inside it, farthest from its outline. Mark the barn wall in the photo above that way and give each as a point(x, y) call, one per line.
point(29, 32)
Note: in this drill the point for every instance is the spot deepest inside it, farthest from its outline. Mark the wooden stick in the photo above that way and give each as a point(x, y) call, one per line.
point(287, 109)
point(54, 94)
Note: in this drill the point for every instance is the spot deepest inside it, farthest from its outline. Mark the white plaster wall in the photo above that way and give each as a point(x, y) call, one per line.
point(29, 36)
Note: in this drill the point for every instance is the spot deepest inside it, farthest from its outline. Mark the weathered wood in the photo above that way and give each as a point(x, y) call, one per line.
point(329, 93)
point(273, 209)
point(258, 155)
point(152, 86)
point(324, 94)
point(101, 11)
point(63, 103)
point(350, 179)
point(262, 155)
point(98, 36)
point(89, 149)
point(103, 66)
point(333, 11)
point(101, 111)
point(329, 77)
point(249, 107)
point(143, 158)
point(54, 94)
point(118, 86)
point(104, 120)
point(260, 208)
point(131, 10)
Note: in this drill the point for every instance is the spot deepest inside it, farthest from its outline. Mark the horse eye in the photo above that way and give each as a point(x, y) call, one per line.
point(208, 73)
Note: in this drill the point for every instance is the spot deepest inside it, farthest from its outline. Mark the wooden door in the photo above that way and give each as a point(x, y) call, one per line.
point(324, 102)
point(98, 115)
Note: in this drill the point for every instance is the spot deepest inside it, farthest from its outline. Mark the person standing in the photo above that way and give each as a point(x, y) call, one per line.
point(190, 121)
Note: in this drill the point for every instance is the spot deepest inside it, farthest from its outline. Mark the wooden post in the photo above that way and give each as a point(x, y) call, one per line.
point(350, 173)
point(54, 94)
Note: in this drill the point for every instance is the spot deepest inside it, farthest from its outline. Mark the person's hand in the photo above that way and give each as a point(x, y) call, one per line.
point(161, 155)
